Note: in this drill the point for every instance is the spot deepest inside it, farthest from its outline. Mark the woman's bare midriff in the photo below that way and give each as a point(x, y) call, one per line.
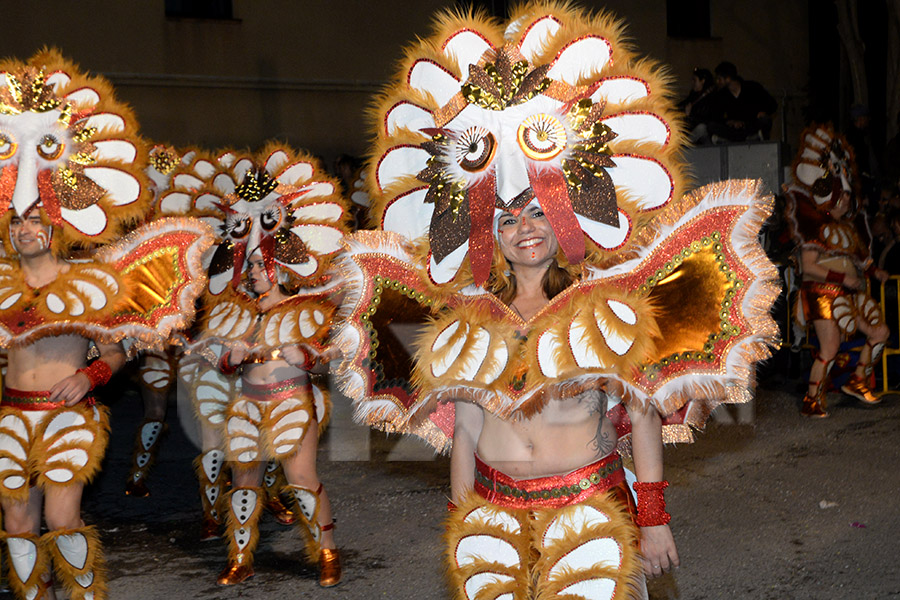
point(564, 436)
point(39, 366)
point(269, 372)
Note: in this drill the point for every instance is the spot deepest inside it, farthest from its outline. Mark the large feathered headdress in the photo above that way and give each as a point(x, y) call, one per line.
point(69, 148)
point(277, 201)
point(552, 107)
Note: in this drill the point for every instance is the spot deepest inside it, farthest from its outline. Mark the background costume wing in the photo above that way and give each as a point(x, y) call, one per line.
point(385, 306)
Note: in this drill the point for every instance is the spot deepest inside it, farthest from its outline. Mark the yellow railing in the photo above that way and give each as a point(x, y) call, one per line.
point(892, 282)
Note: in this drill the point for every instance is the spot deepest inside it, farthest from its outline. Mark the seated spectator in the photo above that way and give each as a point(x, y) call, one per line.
point(743, 109)
point(697, 106)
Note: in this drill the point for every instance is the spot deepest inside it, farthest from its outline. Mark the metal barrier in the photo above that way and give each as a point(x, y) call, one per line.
point(892, 282)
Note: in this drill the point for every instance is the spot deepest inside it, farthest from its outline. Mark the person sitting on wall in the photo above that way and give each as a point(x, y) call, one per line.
point(743, 109)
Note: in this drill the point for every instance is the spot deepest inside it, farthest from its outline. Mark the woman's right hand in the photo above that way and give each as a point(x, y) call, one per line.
point(237, 355)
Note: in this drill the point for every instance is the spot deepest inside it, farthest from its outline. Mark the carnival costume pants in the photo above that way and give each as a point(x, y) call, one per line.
point(47, 444)
point(832, 302)
point(270, 422)
point(570, 535)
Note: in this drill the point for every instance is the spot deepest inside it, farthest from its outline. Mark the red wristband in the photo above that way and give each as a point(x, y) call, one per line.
point(225, 365)
point(651, 505)
point(450, 506)
point(835, 277)
point(98, 372)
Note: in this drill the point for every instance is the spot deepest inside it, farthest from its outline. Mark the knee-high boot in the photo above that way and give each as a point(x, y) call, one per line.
point(307, 505)
point(146, 448)
point(814, 404)
point(209, 466)
point(27, 560)
point(244, 507)
point(78, 561)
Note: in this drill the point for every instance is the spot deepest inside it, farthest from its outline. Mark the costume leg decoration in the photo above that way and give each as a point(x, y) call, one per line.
point(244, 508)
point(588, 550)
point(488, 551)
point(15, 443)
point(146, 447)
point(209, 474)
point(71, 442)
point(27, 560)
point(306, 509)
point(78, 559)
point(814, 400)
point(273, 483)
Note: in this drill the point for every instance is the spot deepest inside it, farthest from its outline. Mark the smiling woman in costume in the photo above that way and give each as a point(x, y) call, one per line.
point(583, 309)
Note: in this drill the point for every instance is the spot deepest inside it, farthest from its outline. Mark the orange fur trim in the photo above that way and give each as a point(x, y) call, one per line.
point(267, 427)
point(307, 521)
point(67, 572)
point(19, 586)
point(251, 525)
point(212, 509)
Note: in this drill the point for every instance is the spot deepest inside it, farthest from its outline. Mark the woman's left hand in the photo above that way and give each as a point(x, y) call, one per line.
point(298, 357)
point(658, 552)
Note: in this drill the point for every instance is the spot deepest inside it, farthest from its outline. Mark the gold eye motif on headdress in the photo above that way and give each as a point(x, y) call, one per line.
point(475, 149)
point(7, 146)
point(50, 148)
point(542, 137)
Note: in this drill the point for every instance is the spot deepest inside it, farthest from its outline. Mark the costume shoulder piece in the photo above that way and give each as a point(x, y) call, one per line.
point(69, 147)
point(281, 203)
point(671, 294)
point(142, 287)
point(823, 170)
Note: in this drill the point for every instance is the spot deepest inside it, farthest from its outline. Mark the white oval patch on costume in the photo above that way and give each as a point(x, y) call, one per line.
point(619, 344)
point(642, 127)
point(55, 304)
point(122, 186)
point(442, 364)
point(548, 346)
point(409, 214)
point(585, 355)
point(623, 311)
point(606, 236)
point(408, 115)
point(478, 581)
point(478, 351)
point(600, 588)
point(427, 76)
point(620, 90)
point(602, 552)
point(400, 162)
point(583, 58)
point(473, 548)
point(645, 180)
point(494, 518)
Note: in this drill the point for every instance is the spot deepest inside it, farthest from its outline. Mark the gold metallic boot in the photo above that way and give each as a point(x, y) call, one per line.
point(329, 567)
point(857, 388)
point(814, 405)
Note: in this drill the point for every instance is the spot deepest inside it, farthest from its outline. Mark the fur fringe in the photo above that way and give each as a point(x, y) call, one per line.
point(67, 572)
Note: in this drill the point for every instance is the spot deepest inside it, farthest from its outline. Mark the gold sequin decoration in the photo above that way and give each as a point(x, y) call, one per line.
point(164, 159)
point(158, 274)
point(693, 282)
point(256, 186)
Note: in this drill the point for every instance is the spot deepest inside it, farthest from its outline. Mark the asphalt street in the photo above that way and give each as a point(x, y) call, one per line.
point(780, 508)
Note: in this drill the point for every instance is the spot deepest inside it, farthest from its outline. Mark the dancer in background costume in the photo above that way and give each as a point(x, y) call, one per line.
point(281, 223)
point(71, 175)
point(582, 308)
point(209, 389)
point(835, 262)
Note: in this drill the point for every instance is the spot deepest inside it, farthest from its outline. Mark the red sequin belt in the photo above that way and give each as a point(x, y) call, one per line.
point(554, 491)
point(272, 391)
point(35, 400)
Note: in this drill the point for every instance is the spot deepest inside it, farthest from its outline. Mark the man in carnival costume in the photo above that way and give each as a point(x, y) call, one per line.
point(835, 262)
point(71, 178)
point(527, 182)
point(267, 306)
